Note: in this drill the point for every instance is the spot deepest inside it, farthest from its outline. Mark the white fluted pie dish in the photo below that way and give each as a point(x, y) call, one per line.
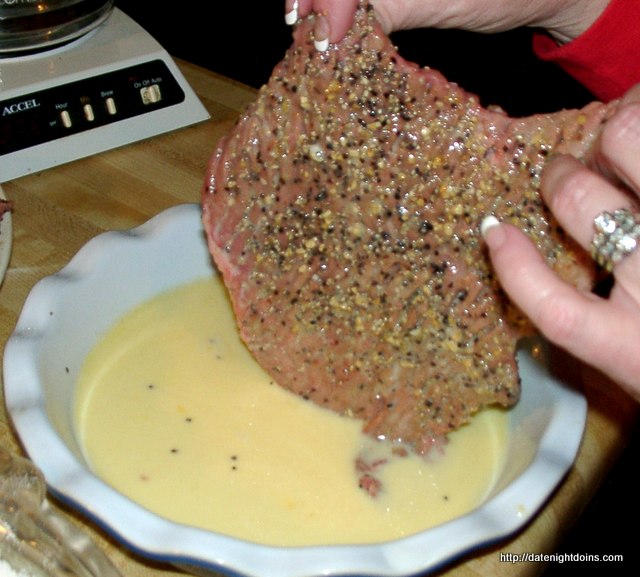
point(66, 314)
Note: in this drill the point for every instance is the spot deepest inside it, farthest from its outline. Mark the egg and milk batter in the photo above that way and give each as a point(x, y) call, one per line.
point(173, 412)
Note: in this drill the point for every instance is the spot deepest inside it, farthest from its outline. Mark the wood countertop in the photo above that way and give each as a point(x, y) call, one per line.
point(58, 210)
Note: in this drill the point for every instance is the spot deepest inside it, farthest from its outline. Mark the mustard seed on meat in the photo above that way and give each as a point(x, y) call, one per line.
point(343, 211)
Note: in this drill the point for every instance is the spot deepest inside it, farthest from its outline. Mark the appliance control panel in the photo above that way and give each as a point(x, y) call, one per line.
point(49, 114)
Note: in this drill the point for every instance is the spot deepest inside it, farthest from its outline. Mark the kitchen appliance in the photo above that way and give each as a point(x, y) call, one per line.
point(111, 86)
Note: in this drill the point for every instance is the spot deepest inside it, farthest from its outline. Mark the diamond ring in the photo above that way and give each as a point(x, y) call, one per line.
point(617, 234)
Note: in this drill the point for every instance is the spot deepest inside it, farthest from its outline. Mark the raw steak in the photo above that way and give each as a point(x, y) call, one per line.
point(343, 212)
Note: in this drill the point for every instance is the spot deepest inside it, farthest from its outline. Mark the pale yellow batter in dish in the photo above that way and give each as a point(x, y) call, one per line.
point(173, 412)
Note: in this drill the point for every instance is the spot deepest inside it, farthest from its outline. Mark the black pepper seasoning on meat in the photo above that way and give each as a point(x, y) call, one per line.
point(354, 187)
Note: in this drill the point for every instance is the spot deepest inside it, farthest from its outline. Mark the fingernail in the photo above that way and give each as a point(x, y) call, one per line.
point(321, 29)
point(291, 12)
point(493, 232)
point(487, 224)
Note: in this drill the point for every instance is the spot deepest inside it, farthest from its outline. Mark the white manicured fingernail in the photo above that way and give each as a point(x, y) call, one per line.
point(487, 224)
point(321, 31)
point(291, 17)
point(321, 45)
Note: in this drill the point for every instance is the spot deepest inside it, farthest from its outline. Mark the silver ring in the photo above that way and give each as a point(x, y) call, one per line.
point(617, 235)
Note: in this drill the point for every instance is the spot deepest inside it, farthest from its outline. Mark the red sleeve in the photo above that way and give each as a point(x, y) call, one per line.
point(605, 58)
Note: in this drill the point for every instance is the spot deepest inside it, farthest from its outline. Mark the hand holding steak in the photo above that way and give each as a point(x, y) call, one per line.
point(343, 213)
point(603, 332)
point(564, 20)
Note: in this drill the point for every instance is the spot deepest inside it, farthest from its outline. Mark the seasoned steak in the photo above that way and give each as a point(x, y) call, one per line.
point(343, 212)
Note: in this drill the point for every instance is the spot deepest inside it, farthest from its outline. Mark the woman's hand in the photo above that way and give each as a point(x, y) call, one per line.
point(564, 19)
point(604, 332)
